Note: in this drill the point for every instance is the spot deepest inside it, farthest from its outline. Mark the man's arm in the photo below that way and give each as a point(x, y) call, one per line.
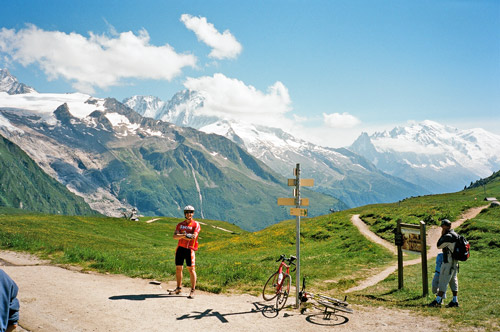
point(446, 241)
point(178, 236)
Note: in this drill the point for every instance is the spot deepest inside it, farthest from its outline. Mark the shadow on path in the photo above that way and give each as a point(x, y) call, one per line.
point(324, 320)
point(266, 310)
point(142, 297)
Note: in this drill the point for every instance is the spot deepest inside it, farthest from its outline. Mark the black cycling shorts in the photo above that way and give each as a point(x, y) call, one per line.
point(184, 254)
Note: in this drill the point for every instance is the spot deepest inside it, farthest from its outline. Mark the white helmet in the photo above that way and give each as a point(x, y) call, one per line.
point(189, 208)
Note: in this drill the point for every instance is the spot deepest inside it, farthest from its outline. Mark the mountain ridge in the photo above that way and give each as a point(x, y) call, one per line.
point(117, 159)
point(11, 85)
point(337, 172)
point(441, 158)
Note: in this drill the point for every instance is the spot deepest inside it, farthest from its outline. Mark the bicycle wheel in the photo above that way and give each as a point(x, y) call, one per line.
point(283, 293)
point(269, 291)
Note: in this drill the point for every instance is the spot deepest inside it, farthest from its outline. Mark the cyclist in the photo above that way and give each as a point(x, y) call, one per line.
point(187, 234)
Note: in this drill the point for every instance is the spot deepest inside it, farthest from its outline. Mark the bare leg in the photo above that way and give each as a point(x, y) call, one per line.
point(178, 275)
point(192, 274)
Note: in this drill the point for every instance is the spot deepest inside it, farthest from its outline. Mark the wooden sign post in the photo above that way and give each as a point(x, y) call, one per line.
point(298, 212)
point(411, 238)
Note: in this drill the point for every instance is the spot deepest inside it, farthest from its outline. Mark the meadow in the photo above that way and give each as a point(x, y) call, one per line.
point(334, 255)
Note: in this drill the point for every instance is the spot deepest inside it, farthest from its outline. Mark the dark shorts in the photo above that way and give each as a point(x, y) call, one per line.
point(184, 254)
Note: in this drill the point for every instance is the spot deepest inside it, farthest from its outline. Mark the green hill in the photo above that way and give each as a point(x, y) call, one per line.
point(26, 186)
point(334, 255)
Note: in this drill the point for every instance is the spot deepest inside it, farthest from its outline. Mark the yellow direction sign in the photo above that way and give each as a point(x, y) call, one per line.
point(291, 201)
point(303, 182)
point(298, 212)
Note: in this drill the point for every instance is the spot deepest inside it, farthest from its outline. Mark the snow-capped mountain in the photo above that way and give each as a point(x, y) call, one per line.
point(440, 158)
point(9, 84)
point(105, 152)
point(337, 172)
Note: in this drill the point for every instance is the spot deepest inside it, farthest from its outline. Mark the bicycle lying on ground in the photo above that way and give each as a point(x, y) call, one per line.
point(278, 284)
point(328, 305)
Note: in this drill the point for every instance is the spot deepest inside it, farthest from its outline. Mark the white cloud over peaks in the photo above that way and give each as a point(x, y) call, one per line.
point(224, 45)
point(232, 99)
point(338, 120)
point(96, 61)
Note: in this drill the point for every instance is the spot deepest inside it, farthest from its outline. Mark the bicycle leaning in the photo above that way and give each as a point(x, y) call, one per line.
point(279, 283)
point(328, 305)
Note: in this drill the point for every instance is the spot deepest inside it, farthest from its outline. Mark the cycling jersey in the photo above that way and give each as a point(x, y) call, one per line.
point(189, 228)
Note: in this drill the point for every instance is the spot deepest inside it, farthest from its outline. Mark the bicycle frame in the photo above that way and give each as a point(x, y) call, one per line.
point(280, 271)
point(278, 285)
point(327, 303)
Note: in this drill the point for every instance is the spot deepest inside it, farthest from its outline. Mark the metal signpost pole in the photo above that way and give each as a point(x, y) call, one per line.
point(297, 236)
point(298, 212)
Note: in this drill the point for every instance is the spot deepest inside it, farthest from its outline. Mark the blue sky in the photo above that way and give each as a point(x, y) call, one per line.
point(324, 70)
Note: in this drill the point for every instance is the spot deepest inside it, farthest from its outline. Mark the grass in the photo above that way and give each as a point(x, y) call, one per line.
point(478, 280)
point(431, 209)
point(334, 255)
point(332, 249)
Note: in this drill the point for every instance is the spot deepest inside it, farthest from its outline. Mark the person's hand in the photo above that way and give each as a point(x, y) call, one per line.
point(190, 236)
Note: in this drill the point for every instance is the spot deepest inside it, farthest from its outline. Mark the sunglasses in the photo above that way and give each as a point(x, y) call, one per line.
point(186, 212)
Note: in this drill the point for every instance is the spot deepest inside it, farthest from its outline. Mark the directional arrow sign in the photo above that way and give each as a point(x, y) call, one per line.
point(298, 212)
point(303, 182)
point(291, 201)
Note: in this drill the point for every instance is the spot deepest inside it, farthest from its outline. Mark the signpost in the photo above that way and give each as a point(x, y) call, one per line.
point(411, 238)
point(298, 212)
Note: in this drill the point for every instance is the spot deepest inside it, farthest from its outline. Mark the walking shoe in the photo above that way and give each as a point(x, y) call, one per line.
point(434, 304)
point(176, 291)
point(452, 304)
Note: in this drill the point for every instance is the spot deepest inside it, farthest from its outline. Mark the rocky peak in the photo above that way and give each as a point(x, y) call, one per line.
point(10, 84)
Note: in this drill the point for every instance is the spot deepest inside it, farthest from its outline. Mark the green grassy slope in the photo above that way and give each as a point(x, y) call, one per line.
point(331, 247)
point(23, 184)
point(432, 208)
point(478, 277)
point(334, 256)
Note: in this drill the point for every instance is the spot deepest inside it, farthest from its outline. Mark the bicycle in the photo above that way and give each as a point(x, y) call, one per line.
point(328, 305)
point(278, 284)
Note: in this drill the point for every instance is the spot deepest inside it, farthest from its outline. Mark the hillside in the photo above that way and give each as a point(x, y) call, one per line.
point(117, 159)
point(334, 255)
point(477, 276)
point(431, 209)
point(492, 179)
point(337, 172)
point(24, 185)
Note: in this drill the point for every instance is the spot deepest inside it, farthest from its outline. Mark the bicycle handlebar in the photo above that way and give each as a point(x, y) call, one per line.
point(289, 260)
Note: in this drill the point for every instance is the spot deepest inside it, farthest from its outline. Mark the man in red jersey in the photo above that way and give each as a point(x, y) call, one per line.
point(187, 234)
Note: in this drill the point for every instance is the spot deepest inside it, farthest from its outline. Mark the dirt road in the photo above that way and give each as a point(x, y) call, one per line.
point(433, 235)
point(59, 299)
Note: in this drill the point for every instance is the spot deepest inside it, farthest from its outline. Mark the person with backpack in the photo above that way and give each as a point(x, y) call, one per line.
point(449, 268)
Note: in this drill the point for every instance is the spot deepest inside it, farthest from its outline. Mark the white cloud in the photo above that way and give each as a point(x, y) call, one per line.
point(233, 99)
point(224, 45)
point(96, 61)
point(340, 120)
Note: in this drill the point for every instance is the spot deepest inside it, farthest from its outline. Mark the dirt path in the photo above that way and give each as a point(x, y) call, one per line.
point(58, 299)
point(433, 234)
